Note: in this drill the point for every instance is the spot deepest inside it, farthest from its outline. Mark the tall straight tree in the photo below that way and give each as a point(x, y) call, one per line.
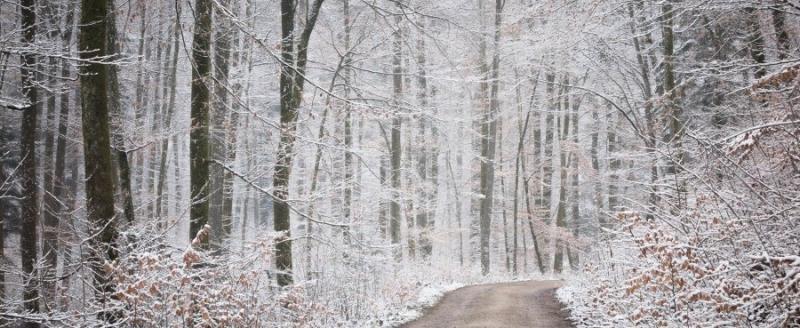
point(123, 170)
point(523, 130)
point(561, 205)
point(221, 224)
point(396, 155)
point(50, 17)
point(427, 201)
point(30, 188)
point(60, 187)
point(670, 98)
point(488, 143)
point(100, 188)
point(292, 80)
point(199, 144)
point(169, 111)
point(348, 125)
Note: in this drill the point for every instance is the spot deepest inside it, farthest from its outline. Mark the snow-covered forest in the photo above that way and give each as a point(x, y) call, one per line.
point(343, 163)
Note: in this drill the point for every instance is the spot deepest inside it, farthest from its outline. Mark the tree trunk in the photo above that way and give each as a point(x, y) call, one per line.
point(458, 212)
point(28, 175)
point(537, 251)
point(756, 42)
point(561, 212)
point(409, 198)
point(51, 208)
point(168, 113)
point(123, 175)
point(644, 72)
point(488, 144)
point(614, 163)
point(523, 129)
point(423, 212)
point(348, 128)
point(506, 250)
point(575, 197)
point(242, 56)
point(546, 156)
point(97, 148)
point(221, 226)
point(199, 143)
point(670, 98)
point(292, 80)
point(157, 110)
point(397, 83)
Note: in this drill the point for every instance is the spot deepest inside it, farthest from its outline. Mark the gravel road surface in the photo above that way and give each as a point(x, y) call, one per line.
point(505, 305)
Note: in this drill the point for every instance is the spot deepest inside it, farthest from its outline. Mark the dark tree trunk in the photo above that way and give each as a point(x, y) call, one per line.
point(537, 251)
point(51, 203)
point(28, 178)
point(561, 212)
point(673, 109)
point(292, 80)
point(199, 143)
point(756, 48)
point(519, 163)
point(97, 147)
point(59, 167)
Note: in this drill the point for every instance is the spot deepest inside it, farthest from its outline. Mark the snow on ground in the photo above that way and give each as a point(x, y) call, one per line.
point(426, 298)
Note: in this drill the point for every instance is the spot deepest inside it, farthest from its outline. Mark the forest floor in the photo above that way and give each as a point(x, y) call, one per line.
point(507, 305)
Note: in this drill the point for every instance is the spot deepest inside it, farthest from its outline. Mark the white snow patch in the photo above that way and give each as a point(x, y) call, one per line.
point(427, 297)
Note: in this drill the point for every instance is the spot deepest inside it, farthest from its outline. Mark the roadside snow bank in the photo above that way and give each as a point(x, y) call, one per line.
point(427, 297)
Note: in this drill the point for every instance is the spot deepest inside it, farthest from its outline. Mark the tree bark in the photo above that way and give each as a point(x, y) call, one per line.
point(397, 83)
point(644, 72)
point(97, 148)
point(123, 170)
point(199, 136)
point(51, 208)
point(28, 175)
point(670, 98)
point(168, 113)
point(59, 186)
point(537, 251)
point(426, 156)
point(575, 197)
point(561, 212)
point(292, 79)
point(488, 144)
point(221, 225)
point(348, 128)
point(523, 129)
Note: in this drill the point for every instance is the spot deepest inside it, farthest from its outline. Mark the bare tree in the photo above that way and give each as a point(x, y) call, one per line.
point(488, 145)
point(98, 165)
point(292, 79)
point(28, 177)
point(201, 98)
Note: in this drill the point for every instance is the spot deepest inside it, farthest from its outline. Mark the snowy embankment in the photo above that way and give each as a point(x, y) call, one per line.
point(426, 297)
point(572, 296)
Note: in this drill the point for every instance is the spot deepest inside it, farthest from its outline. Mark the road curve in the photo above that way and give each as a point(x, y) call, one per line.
point(505, 305)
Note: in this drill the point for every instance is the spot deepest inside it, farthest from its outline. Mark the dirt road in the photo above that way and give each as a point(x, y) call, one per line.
point(506, 305)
